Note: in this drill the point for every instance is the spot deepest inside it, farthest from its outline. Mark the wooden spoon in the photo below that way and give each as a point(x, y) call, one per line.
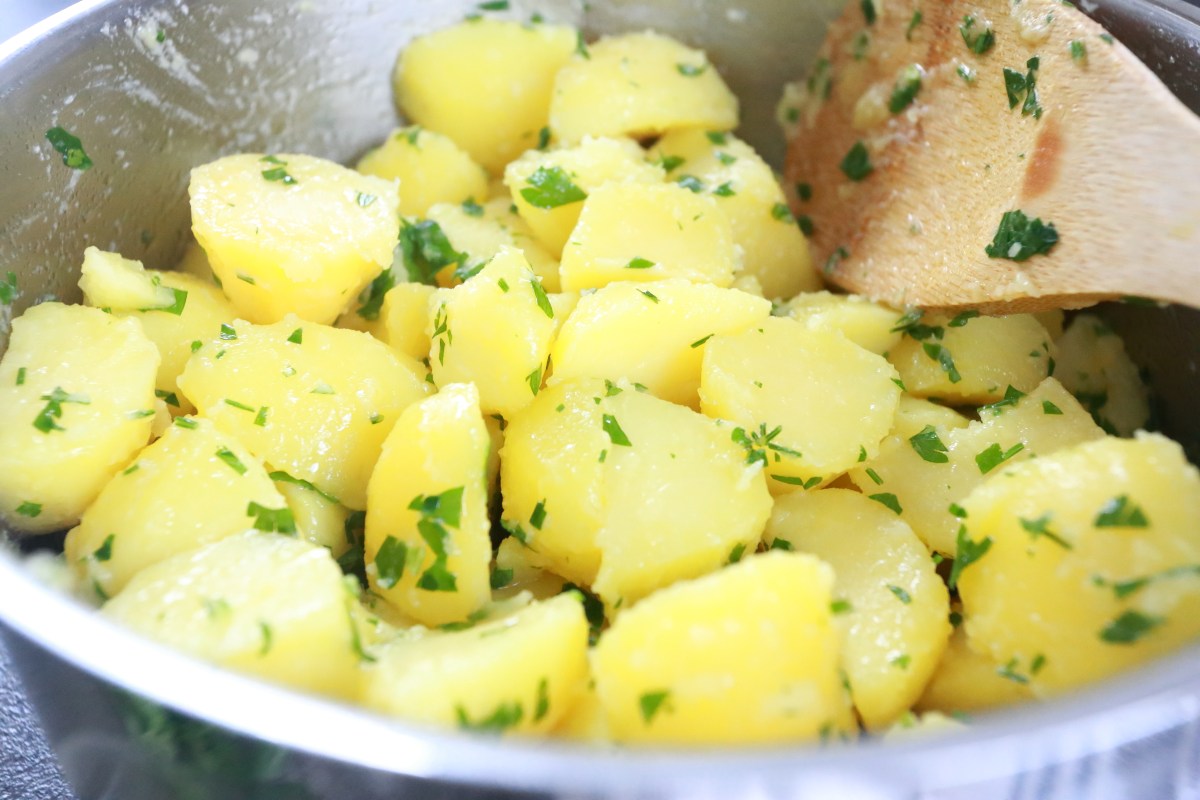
point(903, 199)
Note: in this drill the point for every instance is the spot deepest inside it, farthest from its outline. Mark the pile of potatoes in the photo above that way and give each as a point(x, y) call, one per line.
point(538, 421)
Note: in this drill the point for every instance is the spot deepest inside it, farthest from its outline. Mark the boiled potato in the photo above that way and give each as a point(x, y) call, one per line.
point(627, 493)
point(639, 84)
point(427, 541)
point(214, 602)
point(518, 570)
point(480, 232)
point(747, 654)
point(430, 168)
point(969, 681)
point(319, 517)
point(869, 325)
point(774, 250)
point(549, 187)
point(647, 232)
point(292, 234)
point(585, 722)
point(194, 486)
point(518, 673)
point(777, 383)
point(313, 401)
point(401, 321)
point(76, 404)
point(195, 309)
point(614, 333)
point(889, 605)
point(495, 331)
point(1093, 365)
point(972, 359)
point(1099, 544)
point(921, 472)
point(484, 83)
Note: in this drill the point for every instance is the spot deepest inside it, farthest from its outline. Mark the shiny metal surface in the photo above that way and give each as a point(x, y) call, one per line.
point(132, 720)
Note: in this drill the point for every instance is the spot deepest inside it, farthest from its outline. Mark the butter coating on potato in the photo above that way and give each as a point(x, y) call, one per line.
point(292, 234)
point(76, 404)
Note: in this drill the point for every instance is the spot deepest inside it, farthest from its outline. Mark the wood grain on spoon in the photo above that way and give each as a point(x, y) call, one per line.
point(1105, 154)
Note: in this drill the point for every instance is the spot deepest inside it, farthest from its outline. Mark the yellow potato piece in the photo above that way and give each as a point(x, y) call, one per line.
point(484, 83)
point(330, 397)
point(774, 250)
point(538, 179)
point(401, 322)
point(811, 404)
point(427, 538)
point(645, 232)
point(1093, 564)
point(518, 570)
point(481, 232)
point(430, 168)
point(76, 404)
point(615, 333)
point(969, 681)
point(186, 310)
point(319, 518)
point(495, 331)
point(973, 360)
point(745, 655)
point(518, 673)
point(292, 233)
point(924, 471)
point(890, 606)
point(192, 487)
point(639, 84)
point(215, 603)
point(869, 325)
point(1093, 365)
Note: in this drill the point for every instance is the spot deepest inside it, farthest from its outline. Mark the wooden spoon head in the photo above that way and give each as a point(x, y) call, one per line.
point(917, 132)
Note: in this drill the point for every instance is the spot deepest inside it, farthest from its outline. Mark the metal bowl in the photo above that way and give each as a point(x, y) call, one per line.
point(130, 719)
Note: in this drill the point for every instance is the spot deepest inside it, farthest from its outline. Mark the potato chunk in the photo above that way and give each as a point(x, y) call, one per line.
point(480, 232)
point(494, 331)
point(811, 404)
point(932, 460)
point(890, 605)
point(639, 84)
point(76, 404)
point(400, 321)
point(969, 681)
point(485, 83)
point(614, 333)
point(643, 232)
point(186, 310)
point(313, 401)
point(1093, 365)
point(774, 250)
point(427, 540)
point(1098, 545)
point(430, 168)
point(869, 325)
point(216, 603)
point(626, 492)
point(548, 188)
point(516, 673)
point(292, 233)
point(972, 360)
point(192, 487)
point(747, 654)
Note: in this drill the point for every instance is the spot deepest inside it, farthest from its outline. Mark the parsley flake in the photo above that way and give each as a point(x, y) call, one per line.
point(942, 355)
point(1129, 627)
point(888, 499)
point(231, 460)
point(613, 429)
point(857, 163)
point(929, 446)
point(968, 552)
point(977, 41)
point(1121, 512)
point(639, 263)
point(29, 509)
point(1041, 527)
point(901, 594)
point(994, 455)
point(45, 421)
point(906, 89)
point(551, 187)
point(651, 703)
point(104, 551)
point(69, 147)
point(1019, 238)
point(691, 70)
point(276, 520)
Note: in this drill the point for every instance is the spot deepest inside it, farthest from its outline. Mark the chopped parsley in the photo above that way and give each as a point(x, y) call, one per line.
point(724, 190)
point(1122, 589)
point(277, 520)
point(869, 11)
point(962, 318)
point(543, 140)
point(735, 555)
point(581, 47)
point(538, 517)
point(1041, 527)
point(968, 552)
point(671, 163)
point(901, 661)
point(691, 183)
point(69, 147)
point(942, 355)
point(782, 213)
point(45, 421)
point(170, 398)
point(1009, 672)
point(278, 172)
point(423, 250)
point(701, 341)
point(260, 418)
point(888, 499)
point(649, 295)
point(178, 303)
point(1019, 238)
point(1121, 512)
point(441, 332)
point(265, 632)
point(759, 442)
point(901, 594)
point(839, 606)
point(8, 288)
point(279, 476)
point(966, 73)
point(506, 715)
point(639, 263)
point(186, 422)
point(1050, 408)
point(994, 455)
point(296, 336)
point(857, 163)
point(779, 543)
point(1078, 50)
point(551, 187)
point(1022, 89)
point(437, 513)
point(391, 560)
point(804, 191)
point(913, 22)
point(29, 509)
point(231, 460)
point(1129, 627)
point(228, 332)
point(978, 41)
point(499, 577)
point(613, 429)
point(236, 404)
point(906, 89)
point(104, 551)
point(1012, 396)
point(651, 703)
point(364, 200)
point(691, 70)
point(929, 446)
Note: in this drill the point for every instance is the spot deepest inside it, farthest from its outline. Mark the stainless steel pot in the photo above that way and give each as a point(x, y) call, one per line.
point(130, 719)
